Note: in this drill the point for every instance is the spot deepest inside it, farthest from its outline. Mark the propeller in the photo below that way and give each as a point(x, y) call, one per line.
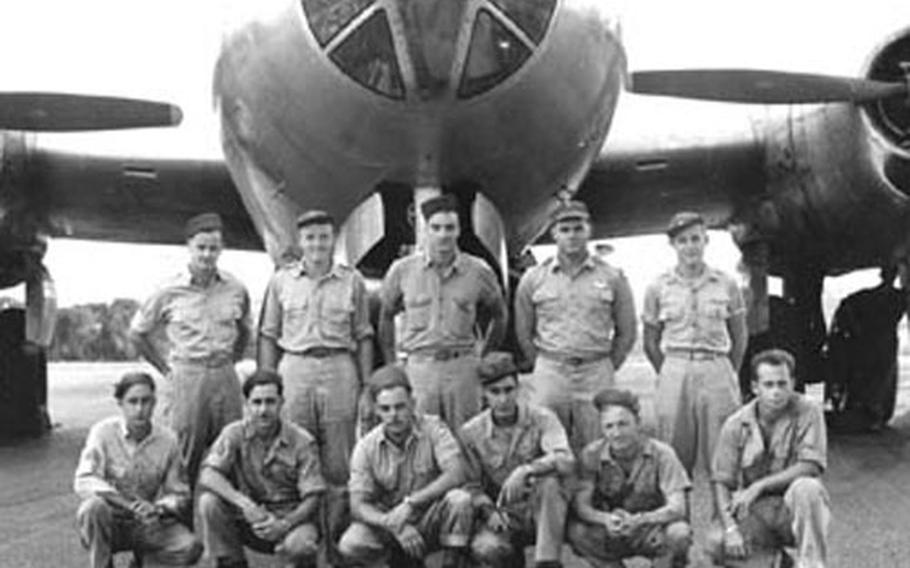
point(59, 112)
point(762, 87)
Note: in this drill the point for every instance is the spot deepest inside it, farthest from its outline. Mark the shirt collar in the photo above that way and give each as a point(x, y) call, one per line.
point(186, 277)
point(416, 432)
point(590, 263)
point(457, 262)
point(124, 432)
point(282, 439)
point(647, 450)
point(334, 271)
point(709, 274)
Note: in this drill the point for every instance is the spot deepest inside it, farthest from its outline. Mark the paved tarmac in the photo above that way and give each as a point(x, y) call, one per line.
point(868, 479)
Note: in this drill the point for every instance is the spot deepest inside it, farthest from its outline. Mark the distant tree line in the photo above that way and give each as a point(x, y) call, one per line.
point(94, 332)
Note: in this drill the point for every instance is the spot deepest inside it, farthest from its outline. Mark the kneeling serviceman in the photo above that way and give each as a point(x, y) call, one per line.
point(262, 483)
point(133, 485)
point(405, 475)
point(766, 472)
point(518, 455)
point(632, 495)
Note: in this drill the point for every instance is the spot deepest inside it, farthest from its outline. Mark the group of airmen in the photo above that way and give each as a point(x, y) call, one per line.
point(475, 452)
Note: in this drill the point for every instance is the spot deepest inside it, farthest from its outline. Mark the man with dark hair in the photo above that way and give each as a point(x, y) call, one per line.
point(315, 329)
point(405, 475)
point(631, 499)
point(262, 483)
point(443, 293)
point(695, 338)
point(205, 314)
point(519, 459)
point(766, 472)
point(132, 484)
point(575, 320)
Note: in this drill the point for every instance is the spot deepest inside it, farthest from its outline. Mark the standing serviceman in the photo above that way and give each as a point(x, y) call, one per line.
point(575, 319)
point(205, 314)
point(316, 332)
point(695, 338)
point(441, 291)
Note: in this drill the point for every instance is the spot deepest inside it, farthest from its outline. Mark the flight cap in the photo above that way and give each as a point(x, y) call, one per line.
point(202, 223)
point(571, 210)
point(445, 202)
point(496, 365)
point(314, 217)
point(682, 221)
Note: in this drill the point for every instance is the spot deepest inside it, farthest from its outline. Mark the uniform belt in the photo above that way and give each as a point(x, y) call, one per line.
point(695, 354)
point(323, 352)
point(213, 361)
point(442, 354)
point(573, 360)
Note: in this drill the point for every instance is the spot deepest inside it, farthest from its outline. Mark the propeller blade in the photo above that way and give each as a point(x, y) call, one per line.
point(761, 87)
point(58, 112)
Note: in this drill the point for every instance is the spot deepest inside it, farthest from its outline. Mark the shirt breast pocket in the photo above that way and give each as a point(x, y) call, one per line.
point(417, 313)
point(295, 311)
point(715, 306)
point(283, 470)
point(337, 320)
point(671, 309)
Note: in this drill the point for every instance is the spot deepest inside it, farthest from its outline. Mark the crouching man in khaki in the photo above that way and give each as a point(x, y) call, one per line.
point(405, 475)
point(766, 473)
point(519, 456)
point(262, 483)
point(131, 478)
point(631, 500)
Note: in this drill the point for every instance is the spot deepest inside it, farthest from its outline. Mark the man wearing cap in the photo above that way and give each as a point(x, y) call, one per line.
point(631, 498)
point(205, 315)
point(519, 457)
point(575, 319)
point(315, 329)
point(695, 338)
point(405, 479)
point(443, 293)
point(132, 484)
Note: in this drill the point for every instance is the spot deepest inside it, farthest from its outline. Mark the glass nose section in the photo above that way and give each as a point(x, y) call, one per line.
point(431, 31)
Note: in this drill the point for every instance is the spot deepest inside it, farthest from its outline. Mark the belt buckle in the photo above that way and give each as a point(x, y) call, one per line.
point(443, 354)
point(317, 352)
point(574, 361)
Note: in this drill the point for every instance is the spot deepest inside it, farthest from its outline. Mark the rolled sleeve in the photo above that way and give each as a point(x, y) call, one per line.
point(361, 479)
point(175, 482)
point(650, 313)
point(391, 294)
point(309, 476)
point(362, 327)
point(89, 477)
point(812, 445)
point(737, 302)
point(149, 315)
point(725, 464)
point(222, 455)
point(671, 473)
point(445, 448)
point(270, 322)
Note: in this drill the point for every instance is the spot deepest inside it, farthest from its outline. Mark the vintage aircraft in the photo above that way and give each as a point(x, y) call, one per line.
point(365, 107)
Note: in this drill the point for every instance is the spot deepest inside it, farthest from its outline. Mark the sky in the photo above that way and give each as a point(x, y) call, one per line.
point(165, 50)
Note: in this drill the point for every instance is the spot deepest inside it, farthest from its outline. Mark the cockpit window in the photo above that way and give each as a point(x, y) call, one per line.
point(368, 56)
point(328, 17)
point(532, 16)
point(495, 53)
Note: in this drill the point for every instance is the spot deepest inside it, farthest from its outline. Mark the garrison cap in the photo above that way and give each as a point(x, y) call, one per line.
point(617, 397)
point(202, 223)
point(314, 217)
point(445, 202)
point(387, 377)
point(682, 221)
point(571, 210)
point(495, 366)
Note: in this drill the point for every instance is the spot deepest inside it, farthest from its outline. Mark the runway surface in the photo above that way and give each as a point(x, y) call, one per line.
point(868, 479)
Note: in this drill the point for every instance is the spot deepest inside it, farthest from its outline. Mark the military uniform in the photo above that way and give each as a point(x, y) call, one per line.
point(697, 387)
point(654, 476)
point(572, 320)
point(384, 474)
point(202, 393)
point(493, 452)
point(149, 469)
point(438, 335)
point(278, 477)
point(796, 517)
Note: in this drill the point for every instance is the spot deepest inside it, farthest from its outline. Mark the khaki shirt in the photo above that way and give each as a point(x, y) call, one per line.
point(655, 475)
point(440, 309)
point(301, 312)
point(148, 470)
point(741, 456)
point(574, 315)
point(493, 452)
point(693, 315)
point(279, 475)
point(200, 323)
point(387, 473)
